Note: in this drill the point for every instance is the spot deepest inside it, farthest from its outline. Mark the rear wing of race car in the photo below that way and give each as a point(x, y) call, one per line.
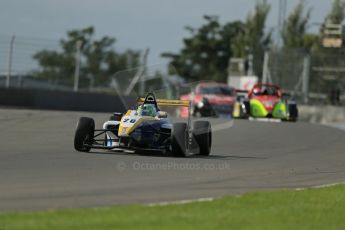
point(166, 102)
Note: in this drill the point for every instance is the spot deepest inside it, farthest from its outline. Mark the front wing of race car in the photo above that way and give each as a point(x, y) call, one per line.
point(283, 110)
point(258, 110)
point(150, 137)
point(152, 134)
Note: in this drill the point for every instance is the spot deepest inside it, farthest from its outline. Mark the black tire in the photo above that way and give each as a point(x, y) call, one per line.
point(203, 136)
point(293, 112)
point(179, 140)
point(84, 134)
point(246, 109)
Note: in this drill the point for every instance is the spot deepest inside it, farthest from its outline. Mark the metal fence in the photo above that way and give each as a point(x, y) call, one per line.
point(18, 69)
point(313, 78)
point(327, 76)
point(17, 65)
point(23, 50)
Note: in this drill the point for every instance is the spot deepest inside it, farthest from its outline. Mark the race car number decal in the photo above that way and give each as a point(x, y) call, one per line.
point(127, 120)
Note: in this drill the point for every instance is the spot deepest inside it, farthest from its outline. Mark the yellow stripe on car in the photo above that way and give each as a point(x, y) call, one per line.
point(237, 111)
point(127, 130)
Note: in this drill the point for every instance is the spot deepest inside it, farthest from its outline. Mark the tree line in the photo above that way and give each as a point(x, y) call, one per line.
point(99, 57)
point(205, 53)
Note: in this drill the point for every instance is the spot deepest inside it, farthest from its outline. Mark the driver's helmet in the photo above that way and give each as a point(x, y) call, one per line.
point(271, 91)
point(147, 110)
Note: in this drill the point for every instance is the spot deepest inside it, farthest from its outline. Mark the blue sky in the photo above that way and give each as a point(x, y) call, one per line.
point(158, 24)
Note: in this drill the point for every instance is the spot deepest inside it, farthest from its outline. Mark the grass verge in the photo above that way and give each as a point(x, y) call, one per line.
point(322, 208)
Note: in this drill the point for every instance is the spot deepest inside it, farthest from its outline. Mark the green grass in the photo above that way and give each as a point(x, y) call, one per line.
point(308, 209)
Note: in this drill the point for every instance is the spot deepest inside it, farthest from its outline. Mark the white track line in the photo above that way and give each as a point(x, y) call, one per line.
point(209, 199)
point(327, 185)
point(270, 120)
point(165, 203)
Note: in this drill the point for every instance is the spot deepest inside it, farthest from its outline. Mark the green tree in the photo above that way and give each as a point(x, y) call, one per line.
point(335, 16)
point(99, 59)
point(330, 58)
point(254, 39)
point(337, 13)
point(311, 42)
point(206, 52)
point(295, 27)
point(254, 36)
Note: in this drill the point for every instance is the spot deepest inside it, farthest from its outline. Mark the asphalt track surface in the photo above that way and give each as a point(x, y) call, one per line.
point(39, 169)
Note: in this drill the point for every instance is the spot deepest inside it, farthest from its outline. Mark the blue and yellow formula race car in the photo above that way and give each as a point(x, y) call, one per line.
point(146, 128)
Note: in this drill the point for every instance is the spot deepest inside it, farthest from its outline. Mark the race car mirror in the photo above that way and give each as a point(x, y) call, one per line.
point(162, 114)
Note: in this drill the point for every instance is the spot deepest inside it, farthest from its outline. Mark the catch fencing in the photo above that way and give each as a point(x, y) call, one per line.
point(312, 78)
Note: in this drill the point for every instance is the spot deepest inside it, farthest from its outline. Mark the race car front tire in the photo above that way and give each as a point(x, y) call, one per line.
point(246, 109)
point(84, 134)
point(293, 112)
point(179, 140)
point(202, 133)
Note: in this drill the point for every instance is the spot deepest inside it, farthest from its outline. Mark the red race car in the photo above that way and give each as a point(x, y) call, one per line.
point(210, 100)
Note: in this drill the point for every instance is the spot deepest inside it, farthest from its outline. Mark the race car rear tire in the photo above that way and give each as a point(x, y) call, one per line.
point(293, 112)
point(202, 133)
point(179, 140)
point(246, 109)
point(84, 134)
